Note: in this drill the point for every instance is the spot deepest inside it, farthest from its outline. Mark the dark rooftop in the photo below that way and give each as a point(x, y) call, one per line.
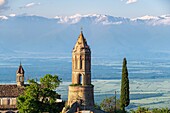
point(10, 90)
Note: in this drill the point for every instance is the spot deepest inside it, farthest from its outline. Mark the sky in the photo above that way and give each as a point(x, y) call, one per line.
point(52, 8)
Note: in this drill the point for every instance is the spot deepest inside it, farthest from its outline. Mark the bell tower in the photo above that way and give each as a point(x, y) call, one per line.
point(20, 76)
point(81, 89)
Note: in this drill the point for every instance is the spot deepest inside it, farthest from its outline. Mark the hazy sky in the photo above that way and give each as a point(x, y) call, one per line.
point(52, 8)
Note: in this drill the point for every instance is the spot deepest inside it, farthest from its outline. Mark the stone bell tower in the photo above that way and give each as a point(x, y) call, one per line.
point(81, 89)
point(20, 76)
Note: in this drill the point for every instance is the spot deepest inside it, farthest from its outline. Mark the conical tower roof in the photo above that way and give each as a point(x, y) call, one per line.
point(81, 43)
point(82, 40)
point(20, 70)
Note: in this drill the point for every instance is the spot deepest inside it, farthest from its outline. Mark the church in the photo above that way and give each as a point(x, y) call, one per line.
point(81, 91)
point(9, 93)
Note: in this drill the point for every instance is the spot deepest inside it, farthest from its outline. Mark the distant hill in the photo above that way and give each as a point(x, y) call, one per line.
point(106, 35)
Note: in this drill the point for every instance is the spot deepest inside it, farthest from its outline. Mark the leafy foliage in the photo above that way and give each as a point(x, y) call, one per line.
point(75, 84)
point(124, 97)
point(40, 97)
point(108, 105)
point(162, 110)
point(147, 110)
point(96, 106)
point(141, 110)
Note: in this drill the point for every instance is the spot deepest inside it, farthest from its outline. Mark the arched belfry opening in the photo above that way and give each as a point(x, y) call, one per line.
point(80, 79)
point(81, 74)
point(80, 62)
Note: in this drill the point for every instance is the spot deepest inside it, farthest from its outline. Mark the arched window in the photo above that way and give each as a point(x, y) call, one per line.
point(80, 62)
point(75, 65)
point(20, 79)
point(8, 101)
point(79, 79)
point(89, 62)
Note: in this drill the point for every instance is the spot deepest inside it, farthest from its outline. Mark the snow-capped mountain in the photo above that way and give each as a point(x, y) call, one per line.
point(93, 18)
point(146, 17)
point(109, 20)
point(100, 19)
point(154, 20)
point(105, 34)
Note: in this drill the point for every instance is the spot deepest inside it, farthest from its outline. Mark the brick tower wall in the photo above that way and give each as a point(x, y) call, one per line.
point(81, 94)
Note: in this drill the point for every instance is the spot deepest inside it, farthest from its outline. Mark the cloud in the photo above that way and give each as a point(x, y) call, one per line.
point(3, 17)
point(4, 5)
point(2, 2)
point(12, 15)
point(32, 4)
point(131, 1)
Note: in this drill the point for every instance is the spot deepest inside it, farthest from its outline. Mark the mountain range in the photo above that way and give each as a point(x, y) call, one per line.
point(24, 35)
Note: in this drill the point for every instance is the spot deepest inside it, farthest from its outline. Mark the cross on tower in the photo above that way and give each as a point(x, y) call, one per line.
point(81, 29)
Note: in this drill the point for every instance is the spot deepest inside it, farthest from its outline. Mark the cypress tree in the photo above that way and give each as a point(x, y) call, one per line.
point(124, 97)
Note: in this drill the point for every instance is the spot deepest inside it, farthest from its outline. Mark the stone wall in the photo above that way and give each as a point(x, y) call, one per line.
point(81, 94)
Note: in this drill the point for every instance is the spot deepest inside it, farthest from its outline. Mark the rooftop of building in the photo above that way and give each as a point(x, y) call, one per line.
point(81, 43)
point(11, 90)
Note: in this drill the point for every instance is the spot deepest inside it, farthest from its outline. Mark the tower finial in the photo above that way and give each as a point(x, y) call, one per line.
point(20, 63)
point(81, 29)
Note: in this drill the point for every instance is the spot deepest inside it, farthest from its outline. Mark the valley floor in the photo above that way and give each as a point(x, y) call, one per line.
point(148, 93)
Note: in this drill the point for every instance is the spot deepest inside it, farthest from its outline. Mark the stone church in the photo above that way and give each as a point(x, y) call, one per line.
point(9, 93)
point(81, 91)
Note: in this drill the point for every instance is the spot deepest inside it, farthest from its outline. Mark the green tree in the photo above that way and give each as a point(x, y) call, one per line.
point(141, 110)
point(124, 97)
point(161, 110)
point(40, 96)
point(108, 105)
point(147, 110)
